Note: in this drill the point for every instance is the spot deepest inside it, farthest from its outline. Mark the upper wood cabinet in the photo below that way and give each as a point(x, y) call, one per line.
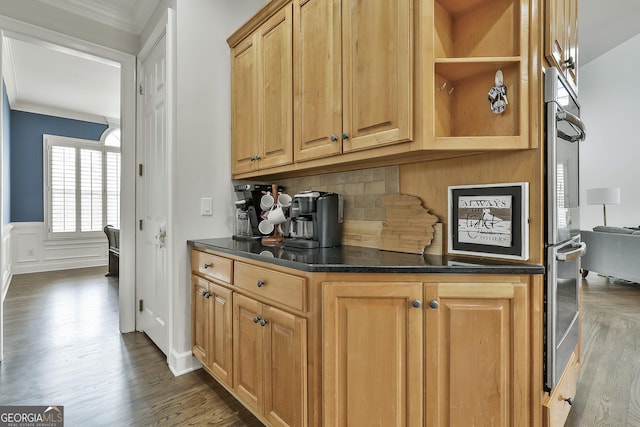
point(261, 96)
point(561, 38)
point(352, 75)
point(376, 82)
point(472, 41)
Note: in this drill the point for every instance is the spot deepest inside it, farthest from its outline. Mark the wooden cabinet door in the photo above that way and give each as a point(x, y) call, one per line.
point(275, 39)
point(572, 42)
point(476, 352)
point(200, 319)
point(245, 111)
point(317, 80)
point(372, 354)
point(248, 352)
point(221, 333)
point(285, 349)
point(562, 38)
point(377, 73)
point(556, 32)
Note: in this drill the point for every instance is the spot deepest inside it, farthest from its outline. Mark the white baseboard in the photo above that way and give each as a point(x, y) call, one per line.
point(182, 363)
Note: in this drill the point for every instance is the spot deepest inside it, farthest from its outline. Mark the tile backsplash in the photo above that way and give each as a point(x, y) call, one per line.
point(360, 189)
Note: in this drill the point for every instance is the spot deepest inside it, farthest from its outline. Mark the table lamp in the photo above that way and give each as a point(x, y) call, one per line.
point(604, 197)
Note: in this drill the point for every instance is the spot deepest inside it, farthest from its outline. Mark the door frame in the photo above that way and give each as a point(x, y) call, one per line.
point(33, 34)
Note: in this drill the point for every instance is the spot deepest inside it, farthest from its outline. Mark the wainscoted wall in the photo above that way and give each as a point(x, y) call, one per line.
point(5, 250)
point(31, 253)
point(360, 189)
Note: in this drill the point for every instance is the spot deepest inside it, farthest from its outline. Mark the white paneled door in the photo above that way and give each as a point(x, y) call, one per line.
point(152, 199)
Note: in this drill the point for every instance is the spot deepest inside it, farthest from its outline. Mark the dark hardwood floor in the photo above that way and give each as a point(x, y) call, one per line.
point(63, 347)
point(609, 384)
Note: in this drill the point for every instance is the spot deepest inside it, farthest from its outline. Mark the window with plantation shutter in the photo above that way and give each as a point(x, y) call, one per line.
point(82, 182)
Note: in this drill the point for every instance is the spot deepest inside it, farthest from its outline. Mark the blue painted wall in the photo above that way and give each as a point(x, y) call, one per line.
point(6, 147)
point(27, 203)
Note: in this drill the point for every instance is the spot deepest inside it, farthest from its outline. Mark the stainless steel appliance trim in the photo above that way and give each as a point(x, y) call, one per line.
point(559, 350)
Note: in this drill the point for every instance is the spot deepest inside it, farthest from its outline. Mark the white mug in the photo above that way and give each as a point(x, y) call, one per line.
point(266, 202)
point(265, 227)
point(276, 216)
point(284, 200)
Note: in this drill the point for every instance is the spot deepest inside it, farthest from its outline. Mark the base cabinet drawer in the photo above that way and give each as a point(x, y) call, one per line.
point(557, 405)
point(276, 286)
point(212, 266)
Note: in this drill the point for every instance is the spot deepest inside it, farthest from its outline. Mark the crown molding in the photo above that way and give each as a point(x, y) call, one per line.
point(60, 112)
point(132, 18)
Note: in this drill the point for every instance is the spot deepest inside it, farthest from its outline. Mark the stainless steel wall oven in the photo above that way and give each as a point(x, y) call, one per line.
point(564, 132)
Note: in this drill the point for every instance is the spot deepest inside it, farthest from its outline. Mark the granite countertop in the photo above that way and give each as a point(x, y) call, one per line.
point(355, 259)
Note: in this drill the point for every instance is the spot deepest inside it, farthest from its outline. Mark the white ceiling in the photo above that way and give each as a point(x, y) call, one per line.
point(57, 81)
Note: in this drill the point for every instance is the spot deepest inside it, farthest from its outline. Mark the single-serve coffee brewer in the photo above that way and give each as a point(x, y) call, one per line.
point(315, 220)
point(247, 210)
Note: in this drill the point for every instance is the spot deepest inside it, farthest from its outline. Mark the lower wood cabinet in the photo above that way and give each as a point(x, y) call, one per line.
point(477, 353)
point(471, 338)
point(212, 328)
point(362, 349)
point(270, 361)
point(372, 354)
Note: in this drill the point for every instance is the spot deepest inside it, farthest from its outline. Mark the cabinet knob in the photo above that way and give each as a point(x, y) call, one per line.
point(260, 283)
point(207, 295)
point(203, 293)
point(263, 322)
point(416, 303)
point(334, 138)
point(258, 157)
point(570, 63)
point(256, 319)
point(434, 304)
point(345, 135)
point(252, 158)
point(208, 265)
point(569, 401)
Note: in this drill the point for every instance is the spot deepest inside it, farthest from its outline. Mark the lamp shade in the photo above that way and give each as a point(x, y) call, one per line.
point(603, 196)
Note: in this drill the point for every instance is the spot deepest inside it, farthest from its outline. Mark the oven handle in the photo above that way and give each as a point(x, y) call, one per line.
point(574, 254)
point(566, 116)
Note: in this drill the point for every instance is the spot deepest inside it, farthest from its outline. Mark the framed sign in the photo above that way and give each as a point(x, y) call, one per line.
point(490, 220)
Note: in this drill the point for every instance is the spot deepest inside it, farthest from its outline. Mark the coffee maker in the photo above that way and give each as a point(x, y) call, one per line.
point(315, 220)
point(247, 210)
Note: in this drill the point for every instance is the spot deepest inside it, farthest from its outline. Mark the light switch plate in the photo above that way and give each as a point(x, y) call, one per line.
point(206, 206)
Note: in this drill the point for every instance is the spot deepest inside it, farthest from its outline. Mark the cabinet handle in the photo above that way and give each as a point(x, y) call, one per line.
point(207, 295)
point(252, 158)
point(334, 138)
point(434, 304)
point(569, 401)
point(258, 157)
point(263, 322)
point(345, 135)
point(208, 265)
point(203, 293)
point(256, 319)
point(416, 303)
point(570, 63)
point(260, 283)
